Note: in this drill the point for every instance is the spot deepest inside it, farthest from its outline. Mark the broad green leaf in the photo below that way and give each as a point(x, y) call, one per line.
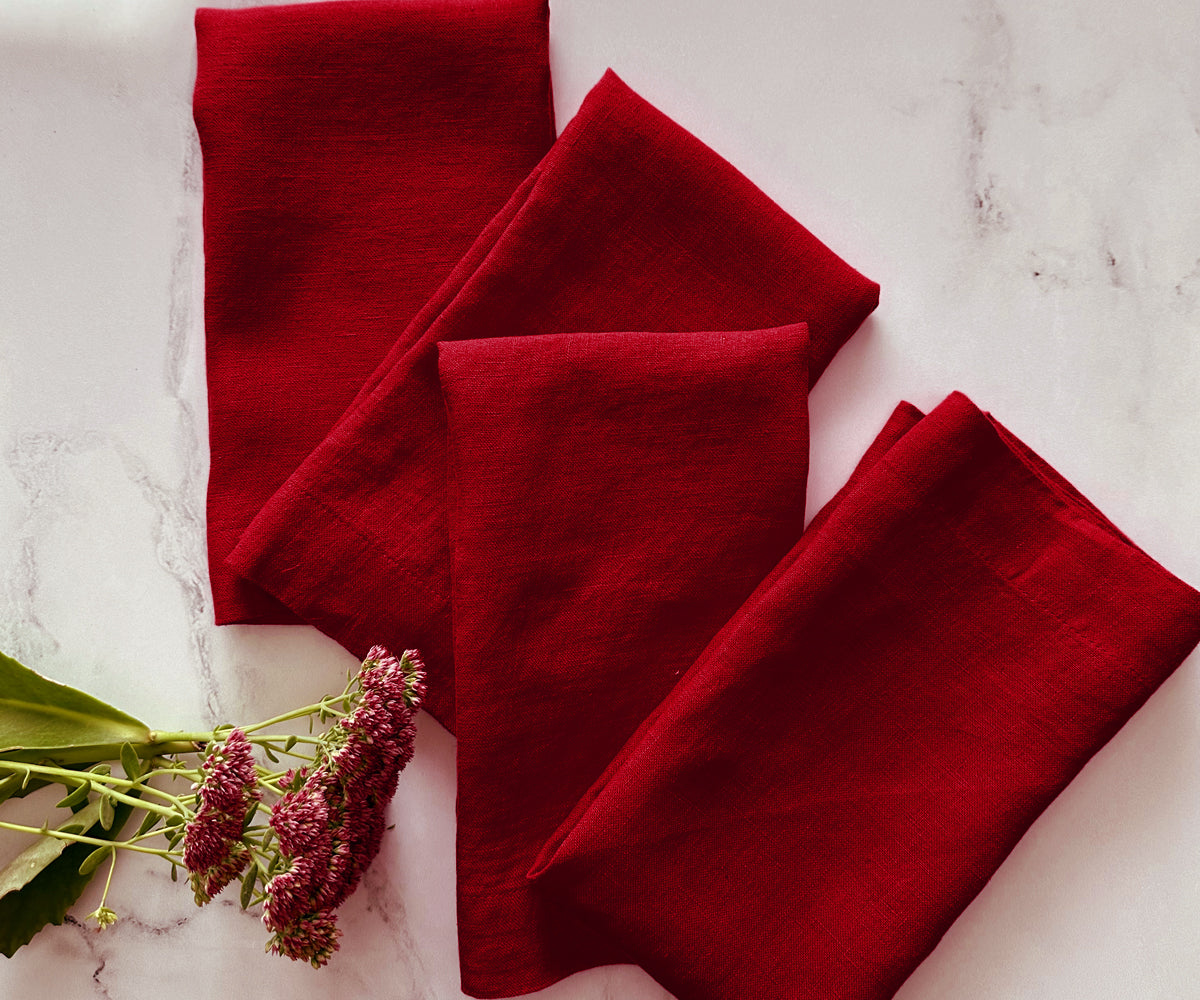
point(38, 855)
point(40, 714)
point(47, 896)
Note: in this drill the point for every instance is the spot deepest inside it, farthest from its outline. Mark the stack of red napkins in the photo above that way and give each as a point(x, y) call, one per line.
point(544, 416)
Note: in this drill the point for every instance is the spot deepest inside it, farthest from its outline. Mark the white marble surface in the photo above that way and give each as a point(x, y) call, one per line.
point(1022, 178)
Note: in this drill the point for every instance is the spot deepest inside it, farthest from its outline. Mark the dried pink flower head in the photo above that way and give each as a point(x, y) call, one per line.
point(293, 892)
point(212, 848)
point(301, 817)
point(377, 654)
point(388, 682)
point(302, 824)
point(357, 835)
point(312, 938)
point(208, 883)
point(330, 823)
point(375, 742)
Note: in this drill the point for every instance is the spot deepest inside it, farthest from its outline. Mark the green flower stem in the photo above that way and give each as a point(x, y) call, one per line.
point(140, 803)
point(112, 865)
point(293, 753)
point(190, 742)
point(64, 776)
point(325, 705)
point(158, 831)
point(82, 839)
point(173, 773)
point(97, 752)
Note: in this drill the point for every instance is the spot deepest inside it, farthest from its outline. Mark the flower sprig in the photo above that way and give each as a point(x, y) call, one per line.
point(297, 818)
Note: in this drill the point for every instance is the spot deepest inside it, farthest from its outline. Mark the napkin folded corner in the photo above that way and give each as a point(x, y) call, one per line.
point(628, 223)
point(854, 755)
point(614, 497)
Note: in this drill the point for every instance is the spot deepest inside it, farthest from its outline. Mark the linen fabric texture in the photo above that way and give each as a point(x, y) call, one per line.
point(628, 223)
point(615, 497)
point(756, 760)
point(855, 753)
point(352, 153)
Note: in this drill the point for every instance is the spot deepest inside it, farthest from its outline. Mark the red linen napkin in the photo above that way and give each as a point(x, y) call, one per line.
point(855, 754)
point(352, 153)
point(615, 497)
point(628, 223)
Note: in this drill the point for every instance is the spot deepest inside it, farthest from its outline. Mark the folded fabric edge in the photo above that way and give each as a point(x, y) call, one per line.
point(902, 419)
point(956, 409)
point(476, 371)
point(709, 177)
point(466, 356)
point(456, 352)
point(270, 548)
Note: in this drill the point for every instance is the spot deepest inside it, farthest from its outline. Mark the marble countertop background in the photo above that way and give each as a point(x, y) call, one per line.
point(1022, 178)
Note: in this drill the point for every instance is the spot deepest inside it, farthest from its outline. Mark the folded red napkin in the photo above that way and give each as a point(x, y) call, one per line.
point(352, 153)
point(857, 751)
point(628, 223)
point(615, 497)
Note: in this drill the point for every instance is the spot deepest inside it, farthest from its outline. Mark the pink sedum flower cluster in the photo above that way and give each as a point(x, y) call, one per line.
point(299, 835)
point(213, 852)
point(330, 822)
point(326, 825)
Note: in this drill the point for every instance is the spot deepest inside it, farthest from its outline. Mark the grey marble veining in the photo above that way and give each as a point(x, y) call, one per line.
point(1022, 178)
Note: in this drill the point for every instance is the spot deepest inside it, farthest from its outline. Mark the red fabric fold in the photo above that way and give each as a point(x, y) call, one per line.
point(853, 756)
point(352, 153)
point(759, 762)
point(615, 498)
point(628, 223)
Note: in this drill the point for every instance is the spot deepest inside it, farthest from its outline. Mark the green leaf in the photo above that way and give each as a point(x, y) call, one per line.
point(248, 882)
point(78, 795)
point(45, 895)
point(38, 855)
point(40, 714)
point(10, 786)
point(107, 813)
point(130, 762)
point(92, 861)
point(17, 786)
point(149, 823)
